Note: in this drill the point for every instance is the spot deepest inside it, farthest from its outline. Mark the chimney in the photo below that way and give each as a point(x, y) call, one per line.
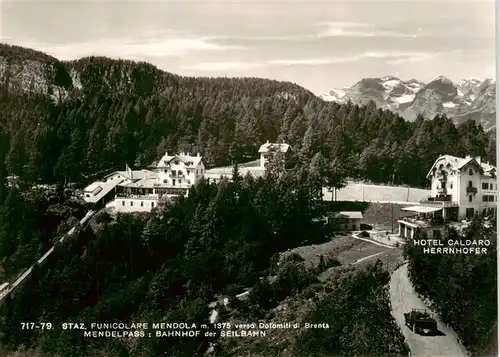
point(197, 154)
point(267, 142)
point(467, 157)
point(478, 159)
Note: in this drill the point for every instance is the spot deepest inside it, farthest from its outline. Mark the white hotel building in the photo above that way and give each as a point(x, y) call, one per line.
point(173, 175)
point(141, 190)
point(460, 189)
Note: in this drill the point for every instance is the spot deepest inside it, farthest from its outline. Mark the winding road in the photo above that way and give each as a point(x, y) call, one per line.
point(403, 299)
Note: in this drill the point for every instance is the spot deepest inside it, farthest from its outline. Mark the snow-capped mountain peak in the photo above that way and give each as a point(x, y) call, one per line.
point(467, 98)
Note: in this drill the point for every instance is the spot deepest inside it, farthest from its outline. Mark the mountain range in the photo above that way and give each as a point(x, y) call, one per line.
point(471, 98)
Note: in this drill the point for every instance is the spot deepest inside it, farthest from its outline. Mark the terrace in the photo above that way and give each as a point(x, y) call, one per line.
point(441, 201)
point(426, 218)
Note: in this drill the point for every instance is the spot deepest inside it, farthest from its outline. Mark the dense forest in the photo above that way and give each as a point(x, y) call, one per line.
point(68, 119)
point(62, 121)
point(30, 222)
point(170, 265)
point(463, 288)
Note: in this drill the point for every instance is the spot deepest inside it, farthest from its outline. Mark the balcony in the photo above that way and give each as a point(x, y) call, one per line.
point(444, 201)
point(472, 190)
point(177, 175)
point(137, 196)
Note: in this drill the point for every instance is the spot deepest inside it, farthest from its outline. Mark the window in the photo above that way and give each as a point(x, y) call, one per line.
point(165, 171)
point(142, 204)
point(176, 162)
point(451, 184)
point(123, 203)
point(179, 173)
point(485, 185)
point(491, 198)
point(485, 198)
point(491, 186)
point(131, 203)
point(152, 204)
point(471, 172)
point(470, 183)
point(469, 212)
point(165, 181)
point(353, 227)
point(470, 198)
point(173, 182)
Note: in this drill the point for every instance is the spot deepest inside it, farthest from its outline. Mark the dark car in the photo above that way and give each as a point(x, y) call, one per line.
point(421, 321)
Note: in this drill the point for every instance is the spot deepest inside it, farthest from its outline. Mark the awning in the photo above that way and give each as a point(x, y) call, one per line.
point(422, 209)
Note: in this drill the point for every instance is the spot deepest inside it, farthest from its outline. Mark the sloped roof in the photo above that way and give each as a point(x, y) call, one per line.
point(185, 158)
point(146, 182)
point(106, 188)
point(349, 214)
point(274, 146)
point(459, 162)
point(91, 187)
point(136, 174)
point(422, 209)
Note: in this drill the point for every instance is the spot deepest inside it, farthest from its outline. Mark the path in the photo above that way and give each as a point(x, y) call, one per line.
point(356, 236)
point(403, 299)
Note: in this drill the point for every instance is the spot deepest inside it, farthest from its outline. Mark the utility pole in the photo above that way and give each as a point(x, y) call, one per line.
point(392, 217)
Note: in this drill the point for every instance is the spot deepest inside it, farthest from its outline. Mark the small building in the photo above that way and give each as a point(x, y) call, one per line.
point(269, 150)
point(346, 220)
point(100, 191)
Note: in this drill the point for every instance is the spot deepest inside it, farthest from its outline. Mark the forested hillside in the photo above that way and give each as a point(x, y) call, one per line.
point(168, 266)
point(462, 288)
point(67, 119)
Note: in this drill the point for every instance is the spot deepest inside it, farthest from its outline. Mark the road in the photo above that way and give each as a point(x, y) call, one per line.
point(403, 299)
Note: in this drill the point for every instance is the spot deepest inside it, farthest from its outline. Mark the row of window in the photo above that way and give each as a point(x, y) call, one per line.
point(469, 212)
point(178, 181)
point(141, 203)
point(484, 185)
point(488, 186)
point(180, 173)
point(486, 198)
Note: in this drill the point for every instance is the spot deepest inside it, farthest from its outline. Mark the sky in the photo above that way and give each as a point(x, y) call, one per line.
point(318, 44)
